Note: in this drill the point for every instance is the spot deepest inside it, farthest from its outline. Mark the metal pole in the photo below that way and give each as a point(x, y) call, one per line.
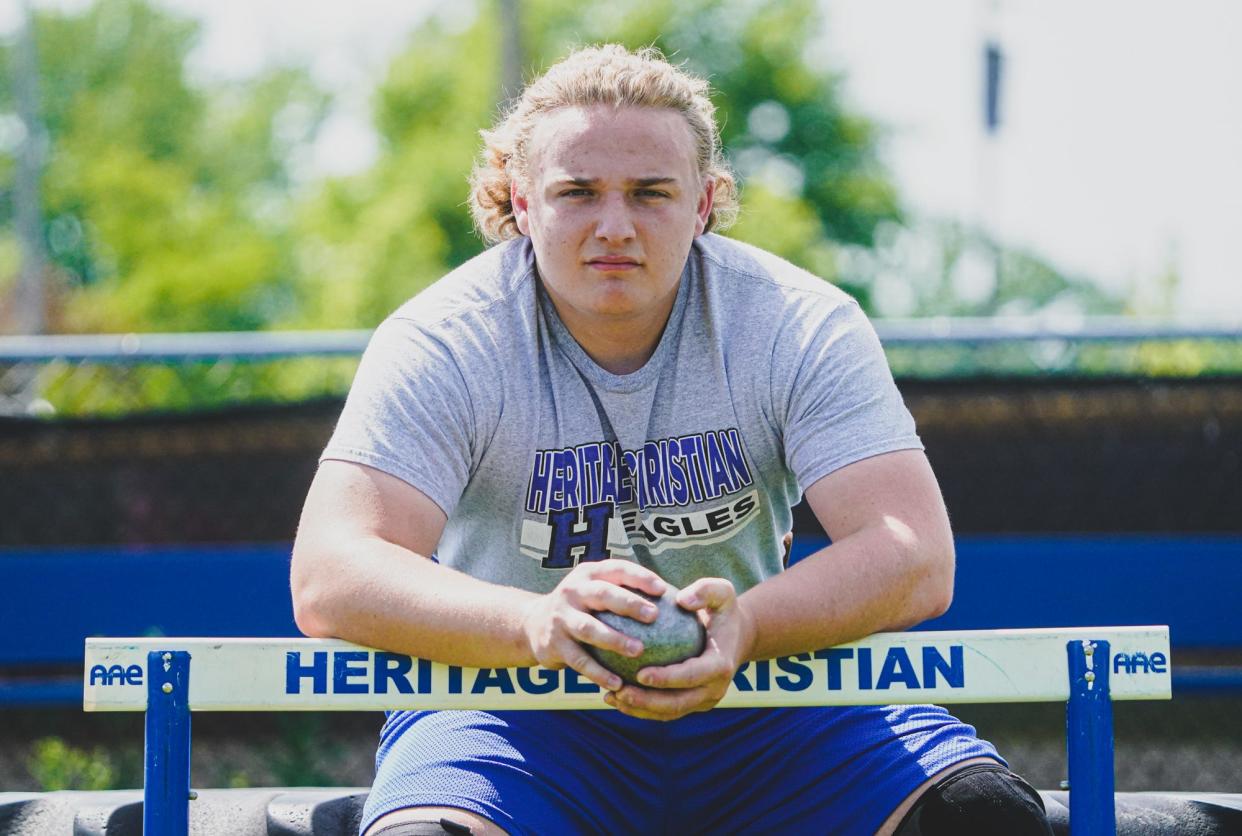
point(1089, 740)
point(988, 220)
point(166, 783)
point(510, 20)
point(28, 220)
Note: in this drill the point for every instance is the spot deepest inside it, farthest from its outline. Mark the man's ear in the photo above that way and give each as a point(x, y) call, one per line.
point(704, 210)
point(521, 208)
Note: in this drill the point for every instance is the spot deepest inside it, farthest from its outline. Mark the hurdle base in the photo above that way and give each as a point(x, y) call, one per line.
point(337, 811)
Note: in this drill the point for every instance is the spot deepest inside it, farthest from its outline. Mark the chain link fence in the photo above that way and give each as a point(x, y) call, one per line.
point(114, 375)
point(118, 375)
point(166, 440)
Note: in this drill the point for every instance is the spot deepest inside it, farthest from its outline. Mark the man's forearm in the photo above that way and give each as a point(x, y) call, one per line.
point(388, 597)
point(879, 578)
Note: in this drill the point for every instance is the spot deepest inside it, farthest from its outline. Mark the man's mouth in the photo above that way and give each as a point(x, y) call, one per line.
point(609, 262)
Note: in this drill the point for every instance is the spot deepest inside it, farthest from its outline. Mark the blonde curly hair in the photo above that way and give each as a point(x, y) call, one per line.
point(610, 75)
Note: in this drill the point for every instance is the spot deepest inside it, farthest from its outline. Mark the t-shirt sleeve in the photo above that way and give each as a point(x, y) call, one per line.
point(842, 403)
point(408, 414)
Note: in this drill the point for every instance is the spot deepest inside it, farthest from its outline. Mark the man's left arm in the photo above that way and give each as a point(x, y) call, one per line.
point(890, 566)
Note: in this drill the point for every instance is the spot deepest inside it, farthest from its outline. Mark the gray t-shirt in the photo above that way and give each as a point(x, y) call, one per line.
point(765, 380)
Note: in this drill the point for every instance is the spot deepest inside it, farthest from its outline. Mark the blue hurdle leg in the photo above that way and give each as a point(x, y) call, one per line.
point(1089, 740)
point(166, 783)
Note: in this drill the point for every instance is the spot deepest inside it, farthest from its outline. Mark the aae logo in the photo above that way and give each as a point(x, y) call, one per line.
point(1140, 662)
point(116, 675)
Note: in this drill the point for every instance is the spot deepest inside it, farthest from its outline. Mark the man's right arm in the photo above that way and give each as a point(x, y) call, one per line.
point(361, 572)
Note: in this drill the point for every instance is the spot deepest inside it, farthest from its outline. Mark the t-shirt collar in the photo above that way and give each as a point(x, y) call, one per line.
point(600, 377)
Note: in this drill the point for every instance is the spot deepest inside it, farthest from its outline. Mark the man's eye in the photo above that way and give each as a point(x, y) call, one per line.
point(651, 193)
point(576, 193)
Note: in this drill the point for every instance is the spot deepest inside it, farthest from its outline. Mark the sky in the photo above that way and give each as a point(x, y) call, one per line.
point(1118, 153)
point(1116, 158)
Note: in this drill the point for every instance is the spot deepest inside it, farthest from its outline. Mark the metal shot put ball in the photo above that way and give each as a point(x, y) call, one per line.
point(674, 636)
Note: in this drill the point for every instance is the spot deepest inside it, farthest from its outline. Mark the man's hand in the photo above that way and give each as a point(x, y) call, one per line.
point(696, 684)
point(559, 623)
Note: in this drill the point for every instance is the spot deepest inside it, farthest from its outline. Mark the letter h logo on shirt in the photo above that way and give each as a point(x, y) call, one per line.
point(583, 531)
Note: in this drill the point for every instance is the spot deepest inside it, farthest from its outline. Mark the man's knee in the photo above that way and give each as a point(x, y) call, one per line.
point(980, 799)
point(443, 827)
point(433, 821)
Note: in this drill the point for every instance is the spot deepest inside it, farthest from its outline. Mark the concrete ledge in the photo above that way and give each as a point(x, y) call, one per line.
point(336, 812)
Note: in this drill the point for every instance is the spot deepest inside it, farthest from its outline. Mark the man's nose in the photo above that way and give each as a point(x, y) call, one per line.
point(614, 223)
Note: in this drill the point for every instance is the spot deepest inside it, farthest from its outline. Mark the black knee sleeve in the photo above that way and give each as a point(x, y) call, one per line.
point(981, 799)
point(443, 827)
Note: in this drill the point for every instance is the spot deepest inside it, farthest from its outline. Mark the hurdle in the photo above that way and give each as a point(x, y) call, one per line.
point(1085, 667)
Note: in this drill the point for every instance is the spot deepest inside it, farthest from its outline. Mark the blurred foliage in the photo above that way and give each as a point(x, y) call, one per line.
point(93, 389)
point(371, 241)
point(273, 750)
point(939, 269)
point(55, 765)
point(947, 269)
point(305, 752)
point(1185, 358)
point(1070, 358)
point(165, 204)
point(170, 205)
point(105, 390)
point(173, 205)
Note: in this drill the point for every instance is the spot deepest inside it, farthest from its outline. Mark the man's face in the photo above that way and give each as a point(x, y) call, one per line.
point(613, 204)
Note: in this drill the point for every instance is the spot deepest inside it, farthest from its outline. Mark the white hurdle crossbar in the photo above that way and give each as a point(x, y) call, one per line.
point(1085, 667)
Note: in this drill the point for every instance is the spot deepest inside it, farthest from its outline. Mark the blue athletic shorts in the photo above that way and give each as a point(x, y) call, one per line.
point(776, 770)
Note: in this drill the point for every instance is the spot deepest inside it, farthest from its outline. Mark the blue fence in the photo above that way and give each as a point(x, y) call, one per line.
point(1190, 583)
point(58, 595)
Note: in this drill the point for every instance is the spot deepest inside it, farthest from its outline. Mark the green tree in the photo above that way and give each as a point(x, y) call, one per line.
point(812, 180)
point(56, 765)
point(811, 171)
point(936, 268)
point(165, 203)
point(371, 240)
